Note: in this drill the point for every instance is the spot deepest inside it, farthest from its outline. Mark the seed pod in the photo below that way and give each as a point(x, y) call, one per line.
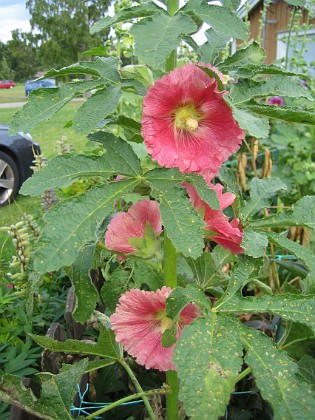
point(267, 168)
point(241, 171)
point(254, 148)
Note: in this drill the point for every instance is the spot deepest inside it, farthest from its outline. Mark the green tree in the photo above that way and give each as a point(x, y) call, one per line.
point(63, 27)
point(22, 55)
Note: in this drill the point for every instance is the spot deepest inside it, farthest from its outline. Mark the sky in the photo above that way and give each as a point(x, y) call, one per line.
point(13, 15)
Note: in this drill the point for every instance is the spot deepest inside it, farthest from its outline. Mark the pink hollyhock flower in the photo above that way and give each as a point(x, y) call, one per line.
point(187, 124)
point(276, 100)
point(139, 322)
point(217, 226)
point(136, 231)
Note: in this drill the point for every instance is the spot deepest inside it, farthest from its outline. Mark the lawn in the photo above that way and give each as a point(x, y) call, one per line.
point(16, 94)
point(47, 134)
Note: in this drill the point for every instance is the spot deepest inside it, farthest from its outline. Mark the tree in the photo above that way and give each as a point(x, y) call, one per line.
point(63, 27)
point(21, 55)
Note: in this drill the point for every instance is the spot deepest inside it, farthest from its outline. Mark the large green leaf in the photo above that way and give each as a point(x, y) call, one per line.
point(56, 397)
point(62, 171)
point(253, 54)
point(221, 19)
point(145, 9)
point(246, 90)
point(276, 376)
point(261, 193)
point(254, 243)
point(302, 214)
point(85, 292)
point(298, 308)
point(184, 226)
point(72, 223)
point(284, 113)
point(207, 371)
point(165, 35)
point(93, 111)
point(205, 192)
point(105, 68)
point(301, 252)
point(105, 347)
point(247, 120)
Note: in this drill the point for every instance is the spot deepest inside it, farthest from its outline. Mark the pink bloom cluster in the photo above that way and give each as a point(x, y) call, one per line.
point(136, 230)
point(276, 100)
point(217, 226)
point(187, 124)
point(139, 322)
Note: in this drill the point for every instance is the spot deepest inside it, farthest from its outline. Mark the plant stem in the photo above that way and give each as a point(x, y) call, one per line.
point(243, 374)
point(170, 260)
point(126, 399)
point(134, 380)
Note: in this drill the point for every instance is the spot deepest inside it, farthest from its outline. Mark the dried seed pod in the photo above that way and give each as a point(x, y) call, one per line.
point(267, 168)
point(241, 171)
point(254, 148)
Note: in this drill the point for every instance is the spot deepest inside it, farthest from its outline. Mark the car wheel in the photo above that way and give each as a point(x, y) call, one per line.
point(9, 179)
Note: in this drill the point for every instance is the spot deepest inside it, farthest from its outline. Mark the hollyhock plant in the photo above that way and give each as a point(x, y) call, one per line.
point(218, 228)
point(139, 322)
point(136, 231)
point(187, 124)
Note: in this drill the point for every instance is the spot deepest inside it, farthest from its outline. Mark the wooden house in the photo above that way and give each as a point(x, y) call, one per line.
point(273, 28)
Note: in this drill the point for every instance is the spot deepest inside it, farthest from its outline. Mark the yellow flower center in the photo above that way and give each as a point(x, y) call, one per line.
point(187, 118)
point(164, 321)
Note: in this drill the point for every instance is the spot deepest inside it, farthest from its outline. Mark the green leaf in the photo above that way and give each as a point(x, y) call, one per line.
point(93, 111)
point(163, 178)
point(165, 35)
point(276, 377)
point(207, 269)
point(183, 224)
point(302, 214)
point(254, 243)
point(139, 72)
point(56, 397)
point(205, 192)
point(103, 67)
point(115, 285)
point(297, 308)
point(246, 269)
point(280, 85)
point(307, 368)
point(256, 126)
point(253, 54)
point(223, 20)
point(145, 9)
point(62, 171)
point(105, 347)
point(85, 291)
point(252, 70)
point(144, 274)
point(227, 177)
point(207, 371)
point(261, 192)
point(215, 43)
point(301, 252)
point(72, 223)
point(284, 113)
point(297, 3)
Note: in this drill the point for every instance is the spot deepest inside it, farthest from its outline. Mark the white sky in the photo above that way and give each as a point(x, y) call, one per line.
point(13, 15)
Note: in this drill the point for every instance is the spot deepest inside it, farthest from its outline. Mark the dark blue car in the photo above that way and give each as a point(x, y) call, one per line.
point(36, 84)
point(16, 158)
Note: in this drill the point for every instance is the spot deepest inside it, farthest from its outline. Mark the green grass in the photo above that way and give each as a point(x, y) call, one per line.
point(46, 134)
point(17, 94)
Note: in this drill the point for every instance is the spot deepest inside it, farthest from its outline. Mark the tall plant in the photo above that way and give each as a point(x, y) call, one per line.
point(176, 266)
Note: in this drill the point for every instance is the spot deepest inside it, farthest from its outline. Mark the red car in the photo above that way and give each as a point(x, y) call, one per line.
point(7, 84)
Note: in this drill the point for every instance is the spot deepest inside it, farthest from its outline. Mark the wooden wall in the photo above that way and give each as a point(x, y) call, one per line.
point(279, 14)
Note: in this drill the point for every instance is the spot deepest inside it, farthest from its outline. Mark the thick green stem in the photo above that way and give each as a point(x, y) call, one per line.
point(126, 399)
point(170, 259)
point(243, 374)
point(134, 380)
